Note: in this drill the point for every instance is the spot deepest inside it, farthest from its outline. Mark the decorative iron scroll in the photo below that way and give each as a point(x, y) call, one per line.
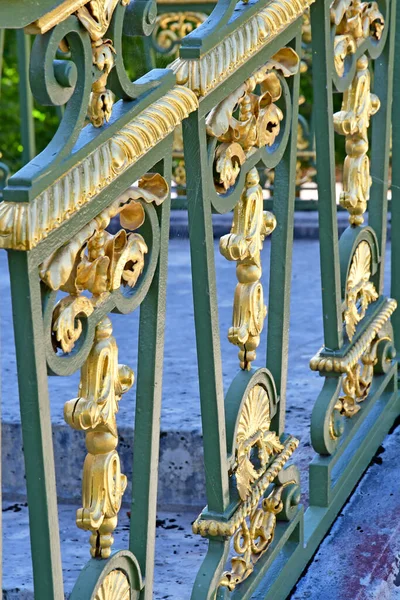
point(171, 28)
point(256, 472)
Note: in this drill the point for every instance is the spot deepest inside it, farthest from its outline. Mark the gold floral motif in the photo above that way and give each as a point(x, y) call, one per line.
point(115, 586)
point(99, 262)
point(204, 74)
point(355, 22)
point(101, 99)
point(253, 433)
point(23, 225)
point(95, 16)
point(244, 244)
point(253, 538)
point(103, 382)
point(258, 118)
point(360, 291)
point(359, 104)
point(172, 27)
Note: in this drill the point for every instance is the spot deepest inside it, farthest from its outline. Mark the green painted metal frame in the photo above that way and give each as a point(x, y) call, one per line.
point(333, 473)
point(33, 303)
point(337, 466)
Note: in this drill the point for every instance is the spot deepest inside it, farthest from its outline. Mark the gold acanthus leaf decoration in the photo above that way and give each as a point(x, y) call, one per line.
point(355, 21)
point(360, 291)
point(244, 244)
point(99, 262)
point(253, 433)
point(257, 120)
point(103, 382)
point(359, 104)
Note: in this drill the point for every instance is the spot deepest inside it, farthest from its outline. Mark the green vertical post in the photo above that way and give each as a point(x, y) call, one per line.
point(148, 409)
point(325, 148)
point(395, 203)
point(206, 314)
point(2, 37)
point(36, 427)
point(281, 259)
point(380, 141)
point(25, 97)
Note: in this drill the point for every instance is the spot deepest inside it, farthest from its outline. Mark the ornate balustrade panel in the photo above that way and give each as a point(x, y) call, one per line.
point(109, 162)
point(86, 226)
point(243, 65)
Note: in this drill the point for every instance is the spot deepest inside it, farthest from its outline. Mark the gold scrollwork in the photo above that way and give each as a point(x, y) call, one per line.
point(253, 538)
point(359, 104)
point(243, 245)
point(360, 291)
point(99, 262)
point(95, 16)
point(355, 21)
point(103, 382)
point(258, 119)
point(257, 465)
point(253, 433)
point(172, 27)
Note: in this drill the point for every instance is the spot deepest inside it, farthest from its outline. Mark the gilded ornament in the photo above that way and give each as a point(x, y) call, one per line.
point(115, 586)
point(23, 225)
point(101, 99)
point(372, 351)
point(243, 245)
point(359, 104)
point(172, 27)
point(257, 463)
point(258, 119)
point(214, 527)
point(99, 262)
point(360, 291)
point(355, 21)
point(103, 382)
point(253, 538)
point(205, 73)
point(253, 434)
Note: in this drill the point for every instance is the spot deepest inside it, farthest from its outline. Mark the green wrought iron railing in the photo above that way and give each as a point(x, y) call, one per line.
point(232, 96)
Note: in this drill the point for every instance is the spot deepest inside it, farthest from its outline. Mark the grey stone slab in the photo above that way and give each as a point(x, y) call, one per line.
point(178, 552)
point(181, 474)
point(360, 557)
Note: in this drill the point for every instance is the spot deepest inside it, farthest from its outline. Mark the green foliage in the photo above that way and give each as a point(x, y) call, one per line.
point(45, 118)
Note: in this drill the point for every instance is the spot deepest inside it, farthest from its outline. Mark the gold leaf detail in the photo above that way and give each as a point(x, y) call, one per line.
point(359, 104)
point(205, 73)
point(23, 225)
point(360, 291)
point(103, 381)
point(253, 434)
point(115, 586)
point(244, 244)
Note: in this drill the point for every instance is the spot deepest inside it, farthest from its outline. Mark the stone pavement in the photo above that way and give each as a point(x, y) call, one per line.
point(181, 481)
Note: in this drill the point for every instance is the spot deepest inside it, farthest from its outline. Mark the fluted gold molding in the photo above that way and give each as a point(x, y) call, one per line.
point(203, 74)
point(210, 527)
point(326, 364)
point(114, 587)
point(23, 225)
